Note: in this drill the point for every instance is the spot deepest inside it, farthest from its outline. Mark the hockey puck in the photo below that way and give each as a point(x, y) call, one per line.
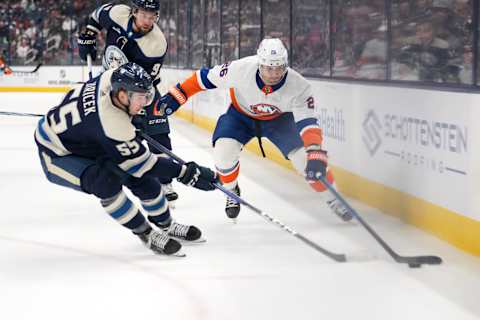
point(414, 265)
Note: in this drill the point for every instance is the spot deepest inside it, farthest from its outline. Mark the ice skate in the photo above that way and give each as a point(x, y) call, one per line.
point(160, 242)
point(182, 232)
point(232, 207)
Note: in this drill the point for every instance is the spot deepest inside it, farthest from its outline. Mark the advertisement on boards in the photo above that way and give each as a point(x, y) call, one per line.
point(416, 141)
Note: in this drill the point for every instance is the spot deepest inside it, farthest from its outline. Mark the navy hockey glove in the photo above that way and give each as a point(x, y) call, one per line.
point(316, 163)
point(87, 44)
point(198, 177)
point(170, 102)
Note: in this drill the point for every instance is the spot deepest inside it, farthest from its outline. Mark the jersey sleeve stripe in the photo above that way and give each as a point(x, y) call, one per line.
point(191, 86)
point(46, 137)
point(146, 166)
point(307, 122)
point(138, 166)
point(312, 135)
point(204, 79)
point(96, 14)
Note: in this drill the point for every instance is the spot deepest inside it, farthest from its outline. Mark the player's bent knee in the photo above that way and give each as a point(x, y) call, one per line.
point(226, 152)
point(144, 188)
point(102, 183)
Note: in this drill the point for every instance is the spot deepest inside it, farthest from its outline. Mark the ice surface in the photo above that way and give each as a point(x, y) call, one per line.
point(62, 257)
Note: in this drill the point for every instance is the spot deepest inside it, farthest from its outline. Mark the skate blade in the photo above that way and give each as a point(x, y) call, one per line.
point(171, 205)
point(178, 254)
point(195, 242)
point(233, 220)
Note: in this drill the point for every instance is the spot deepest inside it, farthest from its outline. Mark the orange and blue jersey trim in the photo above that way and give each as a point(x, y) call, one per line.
point(197, 82)
point(310, 132)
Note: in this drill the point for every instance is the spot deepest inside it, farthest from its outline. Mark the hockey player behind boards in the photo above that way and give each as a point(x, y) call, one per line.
point(89, 144)
point(4, 68)
point(133, 35)
point(268, 99)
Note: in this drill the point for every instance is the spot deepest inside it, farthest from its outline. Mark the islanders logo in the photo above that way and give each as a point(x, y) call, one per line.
point(264, 109)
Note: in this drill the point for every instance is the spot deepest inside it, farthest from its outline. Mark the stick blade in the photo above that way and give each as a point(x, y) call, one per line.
point(419, 260)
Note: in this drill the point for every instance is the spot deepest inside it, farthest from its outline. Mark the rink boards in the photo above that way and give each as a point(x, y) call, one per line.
point(408, 152)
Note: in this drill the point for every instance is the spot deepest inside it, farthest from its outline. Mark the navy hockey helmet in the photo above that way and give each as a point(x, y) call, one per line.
point(147, 5)
point(132, 78)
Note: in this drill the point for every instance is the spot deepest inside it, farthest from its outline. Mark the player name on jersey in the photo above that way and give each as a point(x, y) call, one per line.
point(89, 98)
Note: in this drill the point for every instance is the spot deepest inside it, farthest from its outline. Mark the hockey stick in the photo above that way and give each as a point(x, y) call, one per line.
point(335, 256)
point(412, 261)
point(27, 72)
point(20, 114)
point(89, 66)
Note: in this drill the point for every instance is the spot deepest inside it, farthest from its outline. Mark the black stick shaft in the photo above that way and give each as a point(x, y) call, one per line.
point(335, 256)
point(385, 246)
point(20, 114)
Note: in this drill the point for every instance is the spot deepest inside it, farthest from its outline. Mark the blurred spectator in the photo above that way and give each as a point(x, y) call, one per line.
point(428, 56)
point(431, 43)
point(250, 27)
point(310, 46)
point(33, 31)
point(357, 25)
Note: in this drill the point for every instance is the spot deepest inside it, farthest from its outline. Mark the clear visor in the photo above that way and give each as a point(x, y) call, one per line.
point(142, 98)
point(273, 70)
point(145, 15)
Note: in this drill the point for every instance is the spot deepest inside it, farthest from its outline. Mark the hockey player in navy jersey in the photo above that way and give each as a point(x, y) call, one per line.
point(88, 143)
point(268, 99)
point(133, 35)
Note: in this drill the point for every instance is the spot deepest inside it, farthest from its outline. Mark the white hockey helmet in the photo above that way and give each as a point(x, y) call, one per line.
point(272, 52)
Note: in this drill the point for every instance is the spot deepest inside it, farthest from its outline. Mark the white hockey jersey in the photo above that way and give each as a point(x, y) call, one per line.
point(250, 96)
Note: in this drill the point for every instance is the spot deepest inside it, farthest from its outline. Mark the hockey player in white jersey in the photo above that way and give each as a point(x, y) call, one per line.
point(268, 99)
point(88, 143)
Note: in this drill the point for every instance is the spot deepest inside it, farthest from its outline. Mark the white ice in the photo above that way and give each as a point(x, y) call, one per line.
point(62, 257)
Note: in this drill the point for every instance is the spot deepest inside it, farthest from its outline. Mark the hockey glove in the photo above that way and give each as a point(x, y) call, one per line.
point(138, 122)
point(87, 44)
point(170, 102)
point(198, 177)
point(316, 163)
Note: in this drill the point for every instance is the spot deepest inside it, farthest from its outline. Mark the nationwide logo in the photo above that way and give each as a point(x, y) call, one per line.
point(371, 132)
point(264, 109)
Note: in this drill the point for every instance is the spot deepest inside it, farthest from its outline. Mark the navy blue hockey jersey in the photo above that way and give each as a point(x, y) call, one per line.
point(88, 124)
point(147, 50)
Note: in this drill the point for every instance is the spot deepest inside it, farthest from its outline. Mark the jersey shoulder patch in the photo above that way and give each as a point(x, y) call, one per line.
point(116, 123)
point(153, 44)
point(120, 14)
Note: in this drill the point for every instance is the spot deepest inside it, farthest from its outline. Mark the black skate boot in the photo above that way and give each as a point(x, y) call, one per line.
point(160, 242)
point(339, 209)
point(170, 194)
point(181, 232)
point(232, 207)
